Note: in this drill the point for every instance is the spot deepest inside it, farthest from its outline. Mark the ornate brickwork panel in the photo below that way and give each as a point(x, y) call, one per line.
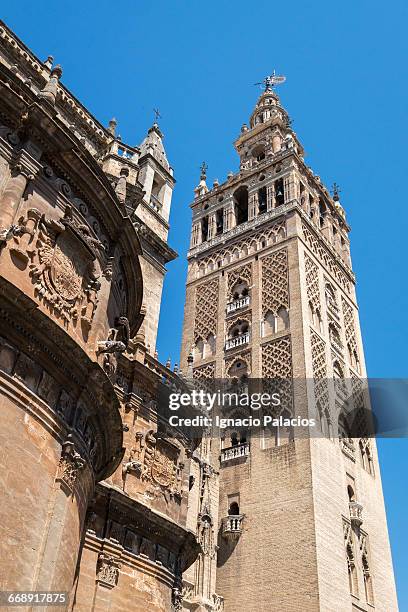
point(277, 358)
point(206, 307)
point(319, 366)
point(233, 321)
point(244, 273)
point(206, 372)
point(242, 357)
point(349, 327)
point(277, 364)
point(312, 283)
point(240, 249)
point(325, 257)
point(275, 287)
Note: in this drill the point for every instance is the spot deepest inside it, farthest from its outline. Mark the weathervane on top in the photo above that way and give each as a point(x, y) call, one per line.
point(272, 80)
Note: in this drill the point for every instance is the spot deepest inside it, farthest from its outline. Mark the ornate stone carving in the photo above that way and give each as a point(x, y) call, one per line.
point(275, 288)
point(206, 372)
point(206, 307)
point(107, 571)
point(64, 266)
point(325, 257)
point(312, 284)
point(156, 461)
point(117, 342)
point(177, 597)
point(349, 325)
point(277, 364)
point(319, 365)
point(244, 273)
point(70, 464)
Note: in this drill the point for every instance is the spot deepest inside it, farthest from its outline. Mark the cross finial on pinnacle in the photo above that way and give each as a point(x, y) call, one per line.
point(203, 169)
point(157, 114)
point(272, 80)
point(336, 191)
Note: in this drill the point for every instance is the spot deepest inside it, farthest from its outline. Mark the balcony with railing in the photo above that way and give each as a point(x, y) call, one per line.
point(332, 306)
point(234, 452)
point(155, 203)
point(232, 526)
point(356, 513)
point(239, 340)
point(238, 304)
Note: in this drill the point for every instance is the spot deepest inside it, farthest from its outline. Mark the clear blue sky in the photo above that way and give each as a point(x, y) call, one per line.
point(346, 91)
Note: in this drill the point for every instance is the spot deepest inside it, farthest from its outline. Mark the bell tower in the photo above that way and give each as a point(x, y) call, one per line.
point(299, 521)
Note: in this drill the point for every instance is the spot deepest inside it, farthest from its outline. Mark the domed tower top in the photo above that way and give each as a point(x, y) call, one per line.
point(268, 104)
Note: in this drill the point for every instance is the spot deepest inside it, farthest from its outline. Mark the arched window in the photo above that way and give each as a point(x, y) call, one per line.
point(269, 324)
point(240, 289)
point(351, 494)
point(219, 221)
point(366, 456)
point(211, 344)
point(199, 349)
point(279, 193)
point(330, 295)
point(258, 152)
point(262, 200)
point(241, 204)
point(334, 336)
point(233, 509)
point(282, 319)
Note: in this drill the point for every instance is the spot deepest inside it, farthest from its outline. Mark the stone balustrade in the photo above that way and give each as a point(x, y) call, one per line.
point(232, 526)
point(235, 452)
point(237, 341)
point(242, 302)
point(356, 513)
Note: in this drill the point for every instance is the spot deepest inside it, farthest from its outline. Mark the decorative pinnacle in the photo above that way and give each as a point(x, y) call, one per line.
point(112, 126)
point(270, 81)
point(336, 191)
point(203, 169)
point(49, 62)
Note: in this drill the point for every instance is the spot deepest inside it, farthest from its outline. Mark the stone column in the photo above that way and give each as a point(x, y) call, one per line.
point(195, 234)
point(276, 143)
point(229, 216)
point(212, 226)
point(11, 198)
point(270, 197)
point(253, 205)
point(289, 187)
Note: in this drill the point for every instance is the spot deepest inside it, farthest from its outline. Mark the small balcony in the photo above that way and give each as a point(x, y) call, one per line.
point(348, 448)
point(240, 340)
point(234, 452)
point(356, 513)
point(238, 304)
point(155, 203)
point(332, 306)
point(232, 526)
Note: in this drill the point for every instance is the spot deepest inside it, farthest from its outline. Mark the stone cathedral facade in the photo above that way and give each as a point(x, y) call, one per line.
point(96, 501)
point(287, 523)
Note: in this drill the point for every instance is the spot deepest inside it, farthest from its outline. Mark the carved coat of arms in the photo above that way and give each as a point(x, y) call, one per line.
point(65, 268)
